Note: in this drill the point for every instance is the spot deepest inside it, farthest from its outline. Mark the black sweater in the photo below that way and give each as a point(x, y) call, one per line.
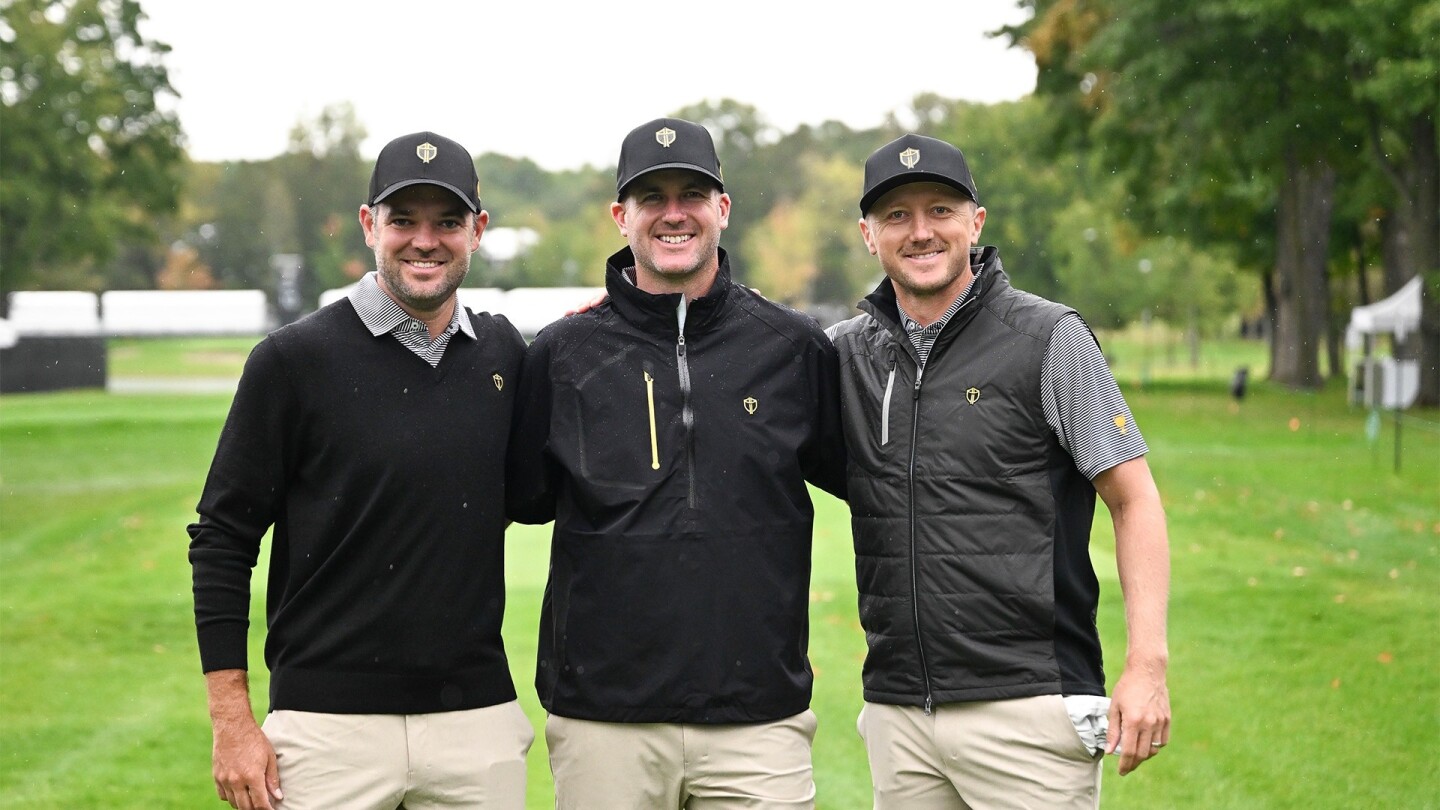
point(384, 481)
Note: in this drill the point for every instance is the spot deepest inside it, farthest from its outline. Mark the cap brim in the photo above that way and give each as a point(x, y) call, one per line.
point(620, 193)
point(885, 187)
point(421, 182)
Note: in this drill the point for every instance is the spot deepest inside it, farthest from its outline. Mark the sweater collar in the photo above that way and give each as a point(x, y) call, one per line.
point(658, 313)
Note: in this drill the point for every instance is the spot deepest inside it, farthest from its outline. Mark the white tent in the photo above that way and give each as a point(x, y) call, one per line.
point(1398, 315)
point(1385, 382)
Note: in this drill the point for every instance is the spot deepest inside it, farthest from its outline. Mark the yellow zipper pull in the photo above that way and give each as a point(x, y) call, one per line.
point(650, 400)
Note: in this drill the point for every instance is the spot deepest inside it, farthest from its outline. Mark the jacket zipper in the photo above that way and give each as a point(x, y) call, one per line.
point(687, 416)
point(914, 565)
point(650, 402)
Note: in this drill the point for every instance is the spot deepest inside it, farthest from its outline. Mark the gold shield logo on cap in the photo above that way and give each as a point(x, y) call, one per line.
point(665, 136)
point(750, 404)
point(910, 157)
point(972, 395)
point(426, 152)
point(499, 382)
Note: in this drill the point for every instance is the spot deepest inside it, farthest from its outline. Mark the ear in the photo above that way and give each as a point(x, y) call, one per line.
point(979, 226)
point(367, 224)
point(724, 211)
point(481, 220)
point(868, 237)
point(617, 213)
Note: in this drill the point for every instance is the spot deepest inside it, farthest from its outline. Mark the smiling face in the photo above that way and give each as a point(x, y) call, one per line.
point(673, 219)
point(922, 234)
point(422, 236)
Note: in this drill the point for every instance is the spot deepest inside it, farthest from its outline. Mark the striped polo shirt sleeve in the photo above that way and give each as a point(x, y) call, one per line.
point(1083, 403)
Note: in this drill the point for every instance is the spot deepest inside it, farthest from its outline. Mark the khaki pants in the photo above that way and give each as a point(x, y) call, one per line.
point(1021, 753)
point(470, 759)
point(669, 766)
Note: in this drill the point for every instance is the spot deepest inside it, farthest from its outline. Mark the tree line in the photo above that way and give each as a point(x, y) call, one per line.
point(1267, 162)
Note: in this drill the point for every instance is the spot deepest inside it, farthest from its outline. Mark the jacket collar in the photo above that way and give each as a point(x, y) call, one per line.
point(881, 305)
point(656, 313)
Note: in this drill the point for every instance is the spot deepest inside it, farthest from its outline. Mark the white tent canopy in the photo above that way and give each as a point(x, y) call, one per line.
point(1385, 382)
point(1398, 315)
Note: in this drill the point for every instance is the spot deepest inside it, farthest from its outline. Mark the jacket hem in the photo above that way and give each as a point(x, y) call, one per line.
point(973, 695)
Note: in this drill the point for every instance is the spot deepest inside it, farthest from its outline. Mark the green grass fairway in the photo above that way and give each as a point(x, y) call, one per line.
point(1305, 613)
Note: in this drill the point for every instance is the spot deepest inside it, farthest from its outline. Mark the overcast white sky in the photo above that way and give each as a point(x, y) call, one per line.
point(562, 82)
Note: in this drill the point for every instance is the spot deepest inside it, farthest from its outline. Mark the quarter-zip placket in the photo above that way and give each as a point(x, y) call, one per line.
point(687, 414)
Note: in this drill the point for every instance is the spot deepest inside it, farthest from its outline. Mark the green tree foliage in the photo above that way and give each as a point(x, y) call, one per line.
point(1393, 59)
point(569, 209)
point(1243, 122)
point(808, 247)
point(303, 202)
point(88, 155)
point(242, 214)
point(326, 178)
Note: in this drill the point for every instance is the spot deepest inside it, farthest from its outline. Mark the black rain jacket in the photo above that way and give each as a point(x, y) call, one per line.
point(674, 465)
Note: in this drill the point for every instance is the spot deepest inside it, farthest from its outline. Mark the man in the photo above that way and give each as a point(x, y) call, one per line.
point(981, 421)
point(669, 432)
point(372, 436)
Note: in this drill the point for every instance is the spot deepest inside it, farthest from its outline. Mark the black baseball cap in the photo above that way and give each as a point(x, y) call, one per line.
point(424, 157)
point(915, 159)
point(667, 143)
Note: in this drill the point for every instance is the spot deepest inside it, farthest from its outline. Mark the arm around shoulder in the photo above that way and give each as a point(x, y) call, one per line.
point(529, 487)
point(826, 461)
